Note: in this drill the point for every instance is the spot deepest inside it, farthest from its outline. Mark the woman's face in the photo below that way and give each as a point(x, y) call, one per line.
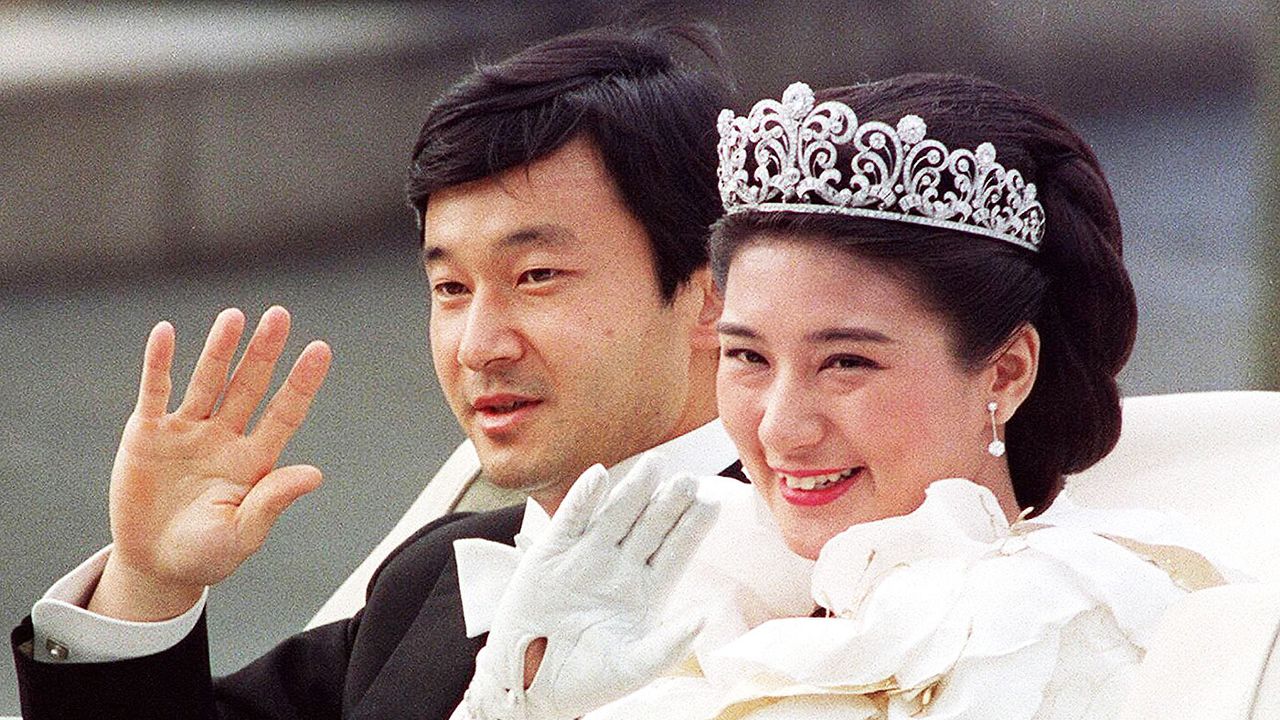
point(841, 391)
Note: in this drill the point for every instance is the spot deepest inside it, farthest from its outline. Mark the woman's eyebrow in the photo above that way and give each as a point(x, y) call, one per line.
point(855, 334)
point(733, 329)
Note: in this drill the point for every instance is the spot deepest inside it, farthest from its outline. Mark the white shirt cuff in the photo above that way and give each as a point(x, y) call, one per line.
point(66, 632)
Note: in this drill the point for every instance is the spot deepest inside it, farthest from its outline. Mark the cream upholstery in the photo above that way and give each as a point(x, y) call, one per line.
point(1213, 457)
point(457, 486)
point(439, 497)
point(1215, 657)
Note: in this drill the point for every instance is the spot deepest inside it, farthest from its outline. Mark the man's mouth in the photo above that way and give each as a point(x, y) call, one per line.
point(501, 414)
point(489, 407)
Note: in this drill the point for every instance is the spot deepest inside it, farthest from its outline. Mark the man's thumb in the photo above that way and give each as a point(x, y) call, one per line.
point(271, 496)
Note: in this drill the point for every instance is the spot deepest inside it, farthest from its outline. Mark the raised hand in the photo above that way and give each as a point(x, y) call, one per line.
point(588, 596)
point(193, 491)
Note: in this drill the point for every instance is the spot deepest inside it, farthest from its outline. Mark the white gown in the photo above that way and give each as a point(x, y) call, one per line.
point(950, 612)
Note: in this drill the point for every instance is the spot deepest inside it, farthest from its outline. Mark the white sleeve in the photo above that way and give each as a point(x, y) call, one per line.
point(66, 632)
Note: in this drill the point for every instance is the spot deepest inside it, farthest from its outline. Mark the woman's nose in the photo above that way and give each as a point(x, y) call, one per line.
point(791, 418)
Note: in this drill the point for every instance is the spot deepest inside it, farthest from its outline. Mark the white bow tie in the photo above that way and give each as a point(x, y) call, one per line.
point(485, 568)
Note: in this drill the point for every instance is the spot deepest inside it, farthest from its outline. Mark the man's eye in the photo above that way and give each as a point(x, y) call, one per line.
point(742, 355)
point(448, 289)
point(538, 275)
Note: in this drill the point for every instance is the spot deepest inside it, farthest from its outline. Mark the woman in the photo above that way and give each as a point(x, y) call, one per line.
point(925, 312)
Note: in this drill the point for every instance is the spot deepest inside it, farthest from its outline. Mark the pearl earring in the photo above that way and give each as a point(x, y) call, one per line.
point(996, 448)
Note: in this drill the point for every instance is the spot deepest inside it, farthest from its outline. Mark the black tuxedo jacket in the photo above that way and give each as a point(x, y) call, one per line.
point(404, 655)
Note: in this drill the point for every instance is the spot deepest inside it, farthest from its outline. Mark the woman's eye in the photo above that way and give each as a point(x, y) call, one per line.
point(742, 355)
point(850, 362)
point(539, 275)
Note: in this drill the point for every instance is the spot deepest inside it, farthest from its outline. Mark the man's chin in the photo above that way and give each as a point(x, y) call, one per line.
point(511, 469)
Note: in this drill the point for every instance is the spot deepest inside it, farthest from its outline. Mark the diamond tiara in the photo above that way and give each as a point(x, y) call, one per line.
point(895, 173)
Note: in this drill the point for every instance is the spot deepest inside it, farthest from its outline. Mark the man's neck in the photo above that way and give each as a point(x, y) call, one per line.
point(550, 498)
point(549, 502)
point(700, 407)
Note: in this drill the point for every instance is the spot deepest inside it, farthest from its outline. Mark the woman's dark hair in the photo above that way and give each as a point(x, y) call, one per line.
point(652, 119)
point(1075, 291)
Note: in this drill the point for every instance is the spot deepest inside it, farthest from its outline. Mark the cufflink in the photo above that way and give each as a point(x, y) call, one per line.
point(57, 650)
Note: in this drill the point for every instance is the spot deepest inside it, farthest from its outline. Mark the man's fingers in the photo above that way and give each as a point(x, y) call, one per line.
point(628, 499)
point(665, 509)
point(288, 407)
point(210, 375)
point(678, 546)
point(271, 496)
point(252, 376)
point(153, 390)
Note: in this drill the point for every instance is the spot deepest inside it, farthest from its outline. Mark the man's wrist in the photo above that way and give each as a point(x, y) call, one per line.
point(533, 659)
point(66, 632)
point(126, 594)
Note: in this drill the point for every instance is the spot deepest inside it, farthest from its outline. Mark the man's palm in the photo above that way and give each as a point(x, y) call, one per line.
point(192, 493)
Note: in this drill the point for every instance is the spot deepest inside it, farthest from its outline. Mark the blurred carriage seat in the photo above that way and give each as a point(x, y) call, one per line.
point(1214, 458)
point(1215, 656)
point(457, 486)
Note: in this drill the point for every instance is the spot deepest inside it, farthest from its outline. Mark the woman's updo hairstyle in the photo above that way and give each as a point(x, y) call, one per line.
point(1074, 291)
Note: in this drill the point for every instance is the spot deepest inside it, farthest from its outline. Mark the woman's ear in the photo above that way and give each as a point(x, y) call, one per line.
point(1014, 371)
point(703, 294)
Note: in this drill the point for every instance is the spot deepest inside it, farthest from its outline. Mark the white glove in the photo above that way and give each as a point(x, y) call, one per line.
point(593, 585)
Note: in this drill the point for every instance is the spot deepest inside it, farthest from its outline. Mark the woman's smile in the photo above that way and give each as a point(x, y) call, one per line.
point(816, 487)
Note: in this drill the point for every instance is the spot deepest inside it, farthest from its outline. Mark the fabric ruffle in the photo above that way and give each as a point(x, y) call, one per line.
point(948, 612)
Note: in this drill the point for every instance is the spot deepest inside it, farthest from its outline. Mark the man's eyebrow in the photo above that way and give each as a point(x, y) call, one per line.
point(856, 334)
point(549, 235)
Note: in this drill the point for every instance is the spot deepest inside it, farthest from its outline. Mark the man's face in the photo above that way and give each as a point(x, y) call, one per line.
point(549, 334)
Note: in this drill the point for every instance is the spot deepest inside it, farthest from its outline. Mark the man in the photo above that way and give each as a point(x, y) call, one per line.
point(564, 195)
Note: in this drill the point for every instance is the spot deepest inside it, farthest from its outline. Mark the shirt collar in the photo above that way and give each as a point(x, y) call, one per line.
point(705, 450)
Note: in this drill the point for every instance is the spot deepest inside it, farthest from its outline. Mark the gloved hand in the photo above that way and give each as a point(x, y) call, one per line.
point(593, 585)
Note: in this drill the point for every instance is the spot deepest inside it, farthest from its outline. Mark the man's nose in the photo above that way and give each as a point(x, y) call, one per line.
point(489, 333)
point(791, 418)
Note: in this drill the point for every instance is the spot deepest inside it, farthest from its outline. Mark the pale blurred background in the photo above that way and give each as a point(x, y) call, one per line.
point(162, 162)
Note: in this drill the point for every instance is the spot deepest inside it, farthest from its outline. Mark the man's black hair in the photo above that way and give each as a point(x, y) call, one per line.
point(652, 119)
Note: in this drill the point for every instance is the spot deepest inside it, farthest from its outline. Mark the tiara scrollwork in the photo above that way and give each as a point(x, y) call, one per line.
point(785, 156)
